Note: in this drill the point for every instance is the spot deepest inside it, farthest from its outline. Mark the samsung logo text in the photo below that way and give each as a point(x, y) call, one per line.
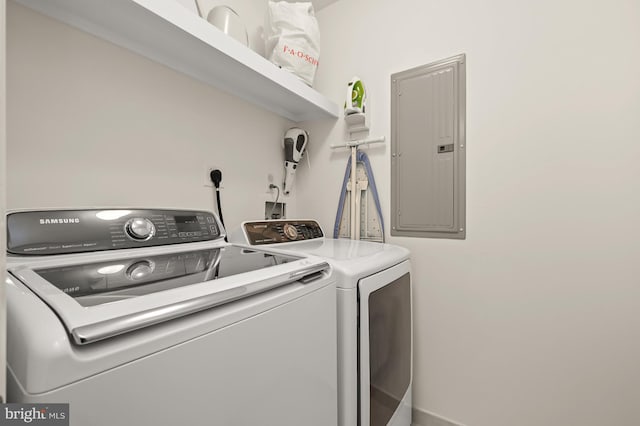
point(60, 221)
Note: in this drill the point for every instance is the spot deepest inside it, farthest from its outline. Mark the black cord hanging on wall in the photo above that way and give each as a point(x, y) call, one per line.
point(216, 178)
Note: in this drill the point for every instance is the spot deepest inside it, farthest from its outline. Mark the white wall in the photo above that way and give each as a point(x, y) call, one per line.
point(91, 124)
point(533, 319)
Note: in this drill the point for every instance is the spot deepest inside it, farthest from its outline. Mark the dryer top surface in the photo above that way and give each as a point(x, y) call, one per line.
point(351, 259)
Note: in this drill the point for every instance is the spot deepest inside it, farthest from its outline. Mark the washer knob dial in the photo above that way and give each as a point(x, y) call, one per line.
point(140, 229)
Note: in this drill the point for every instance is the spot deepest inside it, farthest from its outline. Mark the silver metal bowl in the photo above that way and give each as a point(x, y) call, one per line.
point(227, 20)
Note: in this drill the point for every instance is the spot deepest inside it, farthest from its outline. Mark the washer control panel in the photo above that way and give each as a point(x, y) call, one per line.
point(281, 231)
point(76, 231)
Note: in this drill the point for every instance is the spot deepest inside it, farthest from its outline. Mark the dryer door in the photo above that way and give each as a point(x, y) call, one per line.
point(386, 347)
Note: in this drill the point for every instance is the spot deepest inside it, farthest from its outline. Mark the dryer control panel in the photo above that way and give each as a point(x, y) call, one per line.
point(281, 231)
point(75, 231)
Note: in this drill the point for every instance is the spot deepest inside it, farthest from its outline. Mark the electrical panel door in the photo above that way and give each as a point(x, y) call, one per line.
point(428, 150)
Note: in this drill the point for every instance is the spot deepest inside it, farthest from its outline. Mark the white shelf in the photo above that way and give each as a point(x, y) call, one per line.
point(168, 33)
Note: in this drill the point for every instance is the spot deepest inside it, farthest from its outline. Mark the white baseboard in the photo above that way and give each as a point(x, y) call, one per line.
point(425, 418)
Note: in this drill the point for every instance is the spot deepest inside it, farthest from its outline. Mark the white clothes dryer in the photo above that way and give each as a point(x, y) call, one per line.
point(374, 317)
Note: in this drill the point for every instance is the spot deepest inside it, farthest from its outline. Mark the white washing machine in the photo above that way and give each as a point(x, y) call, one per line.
point(147, 317)
point(374, 317)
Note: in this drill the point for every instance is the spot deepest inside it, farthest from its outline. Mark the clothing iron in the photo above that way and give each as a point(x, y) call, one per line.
point(355, 102)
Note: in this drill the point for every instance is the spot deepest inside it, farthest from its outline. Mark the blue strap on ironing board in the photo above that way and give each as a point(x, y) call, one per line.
point(361, 157)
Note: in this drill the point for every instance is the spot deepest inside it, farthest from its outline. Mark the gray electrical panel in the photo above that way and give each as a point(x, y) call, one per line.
point(428, 148)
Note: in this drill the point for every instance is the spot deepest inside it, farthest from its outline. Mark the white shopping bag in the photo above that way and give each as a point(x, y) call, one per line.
point(292, 38)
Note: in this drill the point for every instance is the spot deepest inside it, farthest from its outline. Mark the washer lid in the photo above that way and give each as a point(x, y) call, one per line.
point(104, 298)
